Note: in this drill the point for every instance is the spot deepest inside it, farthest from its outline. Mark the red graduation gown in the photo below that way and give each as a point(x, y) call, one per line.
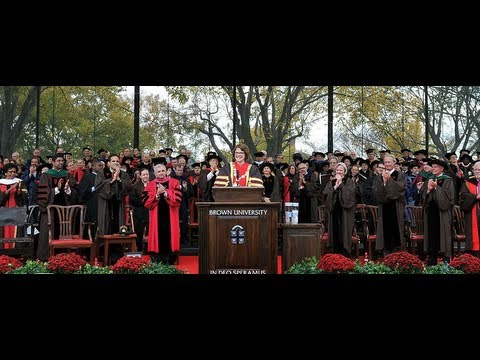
point(9, 232)
point(174, 199)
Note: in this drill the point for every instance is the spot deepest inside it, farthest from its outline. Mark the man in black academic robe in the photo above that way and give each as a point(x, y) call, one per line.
point(53, 188)
point(437, 198)
point(389, 191)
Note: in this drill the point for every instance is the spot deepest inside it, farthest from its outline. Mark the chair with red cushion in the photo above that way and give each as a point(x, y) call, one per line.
point(69, 223)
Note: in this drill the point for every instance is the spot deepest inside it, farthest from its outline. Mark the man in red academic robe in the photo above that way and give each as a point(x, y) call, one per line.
point(163, 197)
point(470, 204)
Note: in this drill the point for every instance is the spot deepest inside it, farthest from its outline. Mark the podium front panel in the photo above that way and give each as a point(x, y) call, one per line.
point(238, 238)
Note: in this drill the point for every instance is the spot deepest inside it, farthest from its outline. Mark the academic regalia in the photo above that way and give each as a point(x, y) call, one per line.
point(205, 184)
point(307, 198)
point(46, 196)
point(89, 197)
point(187, 194)
point(272, 188)
point(248, 175)
point(111, 201)
point(164, 225)
point(286, 189)
point(437, 210)
point(15, 198)
point(340, 205)
point(140, 212)
point(323, 179)
point(368, 197)
point(391, 211)
point(471, 207)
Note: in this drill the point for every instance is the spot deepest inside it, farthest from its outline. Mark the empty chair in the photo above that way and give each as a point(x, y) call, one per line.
point(69, 223)
point(415, 228)
point(458, 229)
point(371, 223)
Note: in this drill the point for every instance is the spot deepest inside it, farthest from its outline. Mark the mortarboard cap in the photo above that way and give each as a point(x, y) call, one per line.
point(219, 159)
point(99, 152)
point(267, 164)
point(297, 156)
point(159, 160)
point(259, 154)
point(449, 155)
point(438, 162)
point(422, 151)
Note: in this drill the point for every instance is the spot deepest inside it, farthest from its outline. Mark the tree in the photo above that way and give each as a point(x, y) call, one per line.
point(16, 105)
point(269, 117)
point(454, 116)
point(379, 117)
point(74, 116)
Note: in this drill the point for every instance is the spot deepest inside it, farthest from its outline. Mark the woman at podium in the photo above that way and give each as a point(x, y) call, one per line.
point(239, 172)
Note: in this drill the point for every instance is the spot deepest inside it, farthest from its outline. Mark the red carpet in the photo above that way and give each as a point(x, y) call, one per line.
point(189, 264)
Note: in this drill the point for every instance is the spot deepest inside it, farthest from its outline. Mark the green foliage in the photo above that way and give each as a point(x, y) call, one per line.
point(307, 266)
point(371, 268)
point(442, 268)
point(73, 116)
point(31, 267)
point(159, 268)
point(89, 269)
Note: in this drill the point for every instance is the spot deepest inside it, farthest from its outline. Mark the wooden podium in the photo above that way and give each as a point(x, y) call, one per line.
point(237, 237)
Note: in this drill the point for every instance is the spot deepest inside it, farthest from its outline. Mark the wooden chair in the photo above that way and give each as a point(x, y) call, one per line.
point(371, 223)
point(415, 229)
point(24, 245)
point(323, 219)
point(192, 232)
point(69, 221)
point(458, 228)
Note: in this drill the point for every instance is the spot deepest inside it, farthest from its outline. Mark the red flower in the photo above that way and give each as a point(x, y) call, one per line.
point(129, 265)
point(403, 262)
point(8, 263)
point(469, 264)
point(335, 263)
point(65, 263)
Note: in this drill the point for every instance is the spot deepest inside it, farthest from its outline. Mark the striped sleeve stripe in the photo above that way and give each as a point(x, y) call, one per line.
point(144, 197)
point(178, 195)
point(221, 181)
point(254, 182)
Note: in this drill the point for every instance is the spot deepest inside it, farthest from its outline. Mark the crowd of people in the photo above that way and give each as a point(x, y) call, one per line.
point(163, 189)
